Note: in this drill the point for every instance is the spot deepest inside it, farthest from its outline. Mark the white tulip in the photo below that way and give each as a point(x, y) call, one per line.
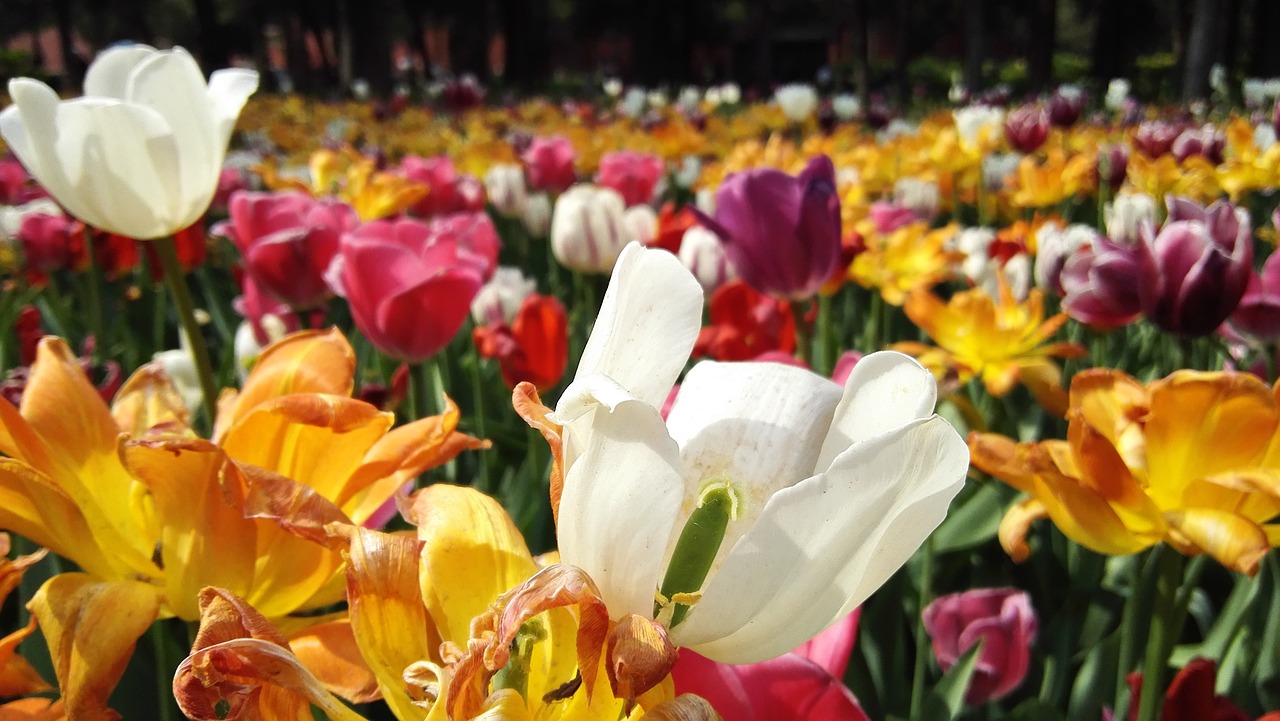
point(845, 106)
point(817, 493)
point(499, 300)
point(797, 100)
point(587, 228)
point(1117, 93)
point(536, 215)
point(505, 188)
point(141, 152)
point(640, 222)
point(977, 124)
point(1126, 214)
point(703, 254)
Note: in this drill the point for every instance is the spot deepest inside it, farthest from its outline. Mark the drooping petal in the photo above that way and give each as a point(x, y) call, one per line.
point(1015, 526)
point(17, 676)
point(91, 628)
point(826, 543)
point(329, 650)
point(527, 404)
point(620, 504)
point(1234, 541)
point(883, 393)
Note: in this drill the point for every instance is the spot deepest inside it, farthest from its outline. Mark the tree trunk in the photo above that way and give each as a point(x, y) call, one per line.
point(215, 50)
point(1201, 50)
point(764, 46)
point(902, 54)
point(1041, 42)
point(861, 16)
point(1264, 51)
point(974, 44)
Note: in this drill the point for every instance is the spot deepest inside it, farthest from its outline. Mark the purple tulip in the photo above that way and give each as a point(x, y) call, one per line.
point(781, 233)
point(1065, 106)
point(1113, 165)
point(1000, 617)
point(1100, 284)
point(1207, 142)
point(1027, 128)
point(1258, 315)
point(1195, 270)
point(1155, 137)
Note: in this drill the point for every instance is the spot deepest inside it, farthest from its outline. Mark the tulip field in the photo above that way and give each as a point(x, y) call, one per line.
point(635, 406)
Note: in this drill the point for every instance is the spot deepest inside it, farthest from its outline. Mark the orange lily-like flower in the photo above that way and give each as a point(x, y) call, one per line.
point(17, 677)
point(1002, 341)
point(910, 258)
point(457, 623)
point(1192, 460)
point(152, 514)
point(1058, 178)
point(354, 179)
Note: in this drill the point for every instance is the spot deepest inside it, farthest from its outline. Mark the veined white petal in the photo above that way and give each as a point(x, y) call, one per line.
point(826, 543)
point(885, 391)
point(619, 503)
point(647, 325)
point(108, 75)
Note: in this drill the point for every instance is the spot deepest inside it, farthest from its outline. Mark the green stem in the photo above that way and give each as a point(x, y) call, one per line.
point(1165, 628)
point(477, 414)
point(177, 284)
point(91, 280)
point(804, 332)
point(827, 335)
point(922, 636)
point(166, 665)
point(425, 393)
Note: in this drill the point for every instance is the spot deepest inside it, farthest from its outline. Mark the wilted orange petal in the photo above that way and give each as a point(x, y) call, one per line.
point(388, 619)
point(329, 651)
point(1234, 541)
point(465, 534)
point(205, 541)
point(685, 707)
point(148, 401)
point(91, 628)
point(1003, 458)
point(1015, 526)
point(33, 709)
point(1044, 379)
point(17, 677)
point(311, 361)
point(529, 406)
point(640, 655)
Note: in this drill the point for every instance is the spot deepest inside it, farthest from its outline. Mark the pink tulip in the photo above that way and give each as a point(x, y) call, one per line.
point(51, 242)
point(1155, 137)
point(1003, 619)
point(473, 231)
point(802, 685)
point(255, 306)
point(1258, 315)
point(633, 175)
point(888, 217)
point(230, 180)
point(449, 191)
point(16, 185)
point(844, 366)
point(549, 164)
point(409, 284)
point(1207, 142)
point(288, 240)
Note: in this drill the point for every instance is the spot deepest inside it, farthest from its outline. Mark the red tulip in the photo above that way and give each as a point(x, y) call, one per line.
point(51, 243)
point(798, 686)
point(633, 175)
point(409, 286)
point(1191, 697)
point(534, 348)
point(1003, 619)
point(1027, 128)
point(549, 164)
point(288, 241)
point(744, 324)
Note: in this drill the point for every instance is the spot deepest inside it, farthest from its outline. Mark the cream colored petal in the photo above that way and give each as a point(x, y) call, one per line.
point(108, 75)
point(885, 391)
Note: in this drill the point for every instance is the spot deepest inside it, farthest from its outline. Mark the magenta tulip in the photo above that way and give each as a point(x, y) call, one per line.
point(549, 164)
point(888, 217)
point(1195, 270)
point(288, 241)
point(1100, 284)
point(633, 175)
point(1005, 622)
point(51, 242)
point(781, 233)
point(448, 192)
point(473, 231)
point(409, 285)
point(803, 685)
point(1027, 128)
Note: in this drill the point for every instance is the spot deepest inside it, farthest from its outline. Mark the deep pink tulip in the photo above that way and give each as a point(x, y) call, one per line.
point(781, 233)
point(844, 366)
point(1258, 315)
point(1100, 284)
point(1207, 142)
point(1003, 619)
point(449, 191)
point(51, 242)
point(1027, 128)
point(288, 241)
point(409, 285)
point(16, 185)
point(230, 180)
point(475, 233)
point(633, 175)
point(549, 164)
point(888, 217)
point(255, 305)
point(1195, 270)
point(803, 685)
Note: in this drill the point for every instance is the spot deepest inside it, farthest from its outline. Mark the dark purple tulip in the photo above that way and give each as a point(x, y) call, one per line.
point(1113, 165)
point(1196, 268)
point(1207, 142)
point(1275, 116)
point(1258, 315)
point(1155, 137)
point(1065, 106)
point(1100, 284)
point(781, 233)
point(1027, 128)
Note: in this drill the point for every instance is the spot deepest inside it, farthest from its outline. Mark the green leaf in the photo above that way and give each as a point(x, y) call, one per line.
point(946, 700)
point(975, 518)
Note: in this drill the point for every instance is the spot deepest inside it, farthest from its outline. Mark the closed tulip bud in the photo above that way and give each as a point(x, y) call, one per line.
point(1258, 315)
point(1065, 106)
point(781, 233)
point(1006, 624)
point(1196, 269)
point(438, 174)
point(1054, 245)
point(587, 229)
point(140, 155)
point(1027, 128)
point(504, 185)
point(51, 242)
point(1113, 165)
point(640, 222)
point(536, 215)
point(1100, 284)
point(1154, 138)
point(633, 175)
point(702, 253)
point(1117, 94)
point(409, 289)
point(549, 162)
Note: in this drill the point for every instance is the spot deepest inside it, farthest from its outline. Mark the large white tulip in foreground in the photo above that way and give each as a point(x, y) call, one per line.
point(140, 153)
point(769, 504)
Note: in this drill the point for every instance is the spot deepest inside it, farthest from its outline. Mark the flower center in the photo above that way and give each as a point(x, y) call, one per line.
point(699, 543)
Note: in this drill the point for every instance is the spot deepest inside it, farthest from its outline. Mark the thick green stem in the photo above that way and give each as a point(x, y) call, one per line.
point(426, 400)
point(922, 636)
point(177, 284)
point(477, 415)
point(166, 665)
point(1165, 628)
point(827, 335)
point(804, 332)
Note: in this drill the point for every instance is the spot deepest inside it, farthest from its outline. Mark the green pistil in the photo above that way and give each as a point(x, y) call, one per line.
point(515, 675)
point(697, 548)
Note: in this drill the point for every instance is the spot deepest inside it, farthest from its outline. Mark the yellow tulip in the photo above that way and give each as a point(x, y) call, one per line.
point(910, 258)
point(1192, 460)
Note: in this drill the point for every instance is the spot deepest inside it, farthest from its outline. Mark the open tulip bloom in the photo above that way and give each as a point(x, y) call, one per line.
point(141, 153)
point(768, 505)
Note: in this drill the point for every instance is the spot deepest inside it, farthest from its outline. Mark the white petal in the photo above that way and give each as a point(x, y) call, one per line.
point(885, 391)
point(827, 543)
point(619, 503)
point(228, 90)
point(34, 105)
point(108, 75)
point(171, 83)
point(647, 324)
